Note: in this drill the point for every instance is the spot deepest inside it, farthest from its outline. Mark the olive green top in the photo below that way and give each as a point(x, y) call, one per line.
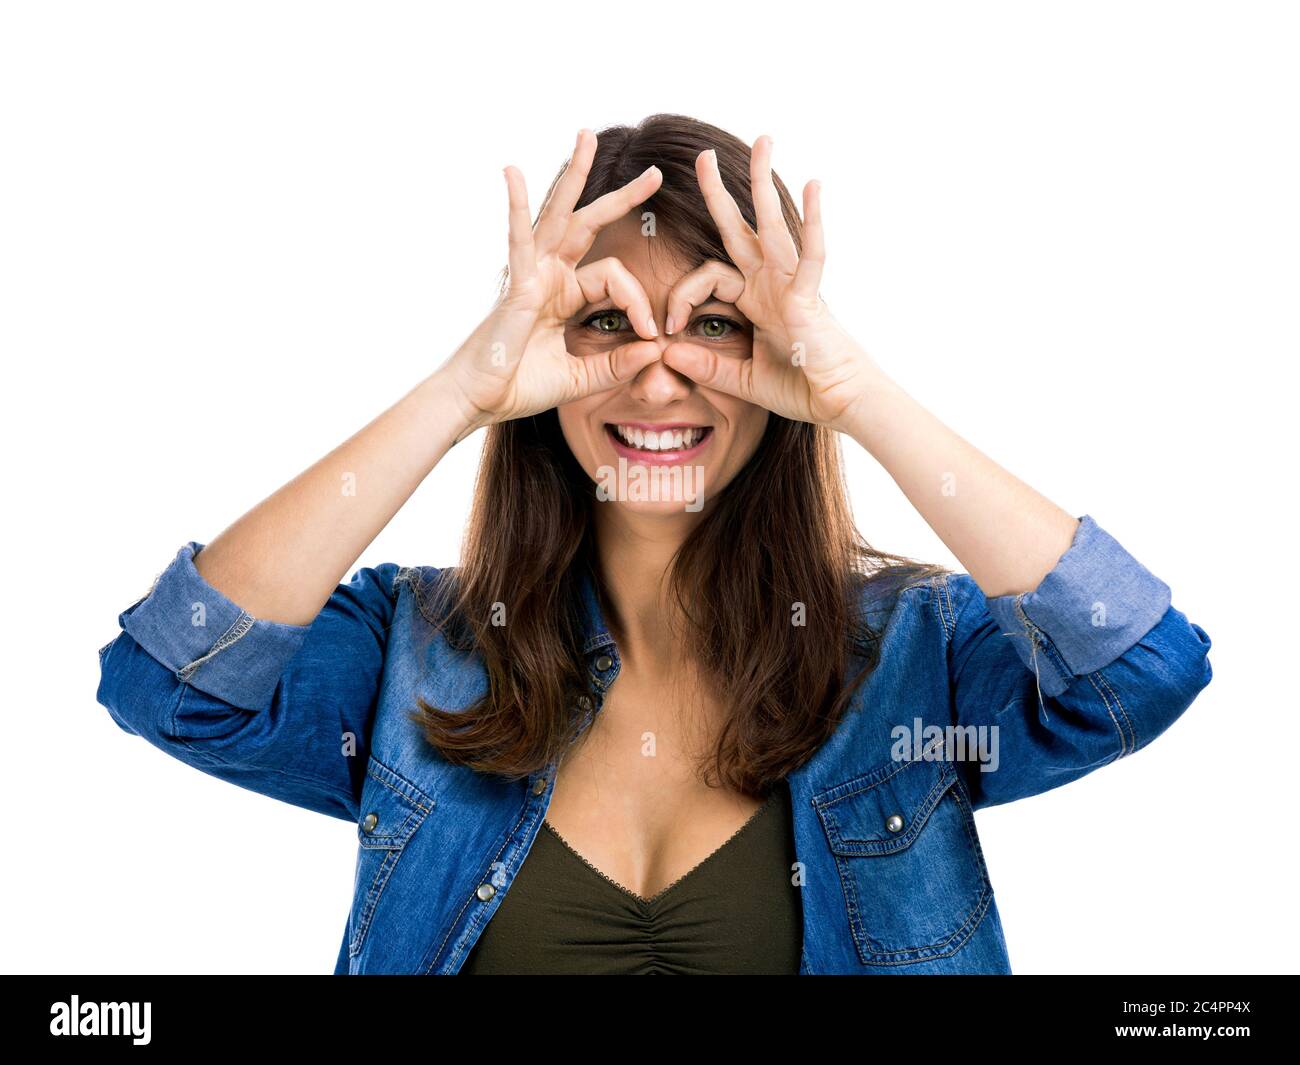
point(737, 912)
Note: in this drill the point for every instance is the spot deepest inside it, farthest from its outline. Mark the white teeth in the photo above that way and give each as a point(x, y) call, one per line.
point(652, 440)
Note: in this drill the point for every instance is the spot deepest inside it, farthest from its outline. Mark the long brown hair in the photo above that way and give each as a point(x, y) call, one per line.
point(780, 534)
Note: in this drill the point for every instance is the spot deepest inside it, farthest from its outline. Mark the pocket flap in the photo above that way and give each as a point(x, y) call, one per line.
point(881, 812)
point(392, 808)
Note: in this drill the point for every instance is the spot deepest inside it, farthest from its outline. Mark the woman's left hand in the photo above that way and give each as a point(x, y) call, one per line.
point(804, 365)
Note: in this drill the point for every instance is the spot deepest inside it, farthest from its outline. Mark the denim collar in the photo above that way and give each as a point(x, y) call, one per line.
point(595, 633)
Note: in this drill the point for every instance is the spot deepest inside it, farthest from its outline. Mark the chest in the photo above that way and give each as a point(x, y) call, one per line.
point(631, 797)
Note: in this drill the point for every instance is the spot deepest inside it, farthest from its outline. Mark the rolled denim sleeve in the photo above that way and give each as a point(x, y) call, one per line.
point(284, 710)
point(209, 641)
point(1096, 603)
point(1087, 668)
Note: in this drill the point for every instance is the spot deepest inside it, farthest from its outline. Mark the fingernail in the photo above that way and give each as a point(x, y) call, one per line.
point(668, 325)
point(650, 326)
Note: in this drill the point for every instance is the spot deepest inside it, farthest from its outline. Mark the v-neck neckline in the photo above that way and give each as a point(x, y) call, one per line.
point(641, 900)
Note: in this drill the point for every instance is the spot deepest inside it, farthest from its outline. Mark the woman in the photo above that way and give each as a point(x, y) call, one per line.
point(784, 776)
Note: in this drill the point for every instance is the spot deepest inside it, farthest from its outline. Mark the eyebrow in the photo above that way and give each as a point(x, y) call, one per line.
point(608, 303)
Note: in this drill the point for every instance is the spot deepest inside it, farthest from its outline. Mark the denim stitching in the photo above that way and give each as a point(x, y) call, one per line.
point(1123, 740)
point(979, 908)
point(942, 599)
point(377, 885)
point(175, 726)
point(401, 794)
point(1133, 737)
point(941, 948)
point(414, 819)
point(496, 859)
point(242, 626)
point(817, 800)
point(1114, 721)
point(974, 920)
point(1037, 638)
point(412, 577)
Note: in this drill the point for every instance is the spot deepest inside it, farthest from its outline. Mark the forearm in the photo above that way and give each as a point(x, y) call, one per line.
point(1006, 535)
point(282, 560)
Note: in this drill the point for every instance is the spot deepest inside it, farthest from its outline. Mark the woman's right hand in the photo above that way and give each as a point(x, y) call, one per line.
point(516, 362)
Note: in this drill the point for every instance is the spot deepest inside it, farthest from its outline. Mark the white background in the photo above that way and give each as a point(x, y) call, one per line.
point(234, 233)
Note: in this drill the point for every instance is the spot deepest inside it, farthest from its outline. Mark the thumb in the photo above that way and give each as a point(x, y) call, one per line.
point(609, 369)
point(708, 368)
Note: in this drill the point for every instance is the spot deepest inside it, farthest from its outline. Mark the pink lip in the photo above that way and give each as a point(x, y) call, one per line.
point(660, 426)
point(658, 458)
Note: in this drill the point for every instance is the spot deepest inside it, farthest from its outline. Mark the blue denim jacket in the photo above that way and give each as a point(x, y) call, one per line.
point(1087, 668)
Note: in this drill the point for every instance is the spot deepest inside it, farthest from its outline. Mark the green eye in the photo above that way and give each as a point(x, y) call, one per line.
point(611, 321)
point(714, 327)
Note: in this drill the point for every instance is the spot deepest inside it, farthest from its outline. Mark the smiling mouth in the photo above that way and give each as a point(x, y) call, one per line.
point(669, 441)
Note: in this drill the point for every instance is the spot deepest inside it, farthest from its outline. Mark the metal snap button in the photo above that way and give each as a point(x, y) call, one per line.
point(894, 823)
point(539, 785)
point(485, 892)
point(603, 663)
point(370, 821)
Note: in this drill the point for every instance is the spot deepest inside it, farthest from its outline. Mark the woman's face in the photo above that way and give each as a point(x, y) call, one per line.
point(660, 426)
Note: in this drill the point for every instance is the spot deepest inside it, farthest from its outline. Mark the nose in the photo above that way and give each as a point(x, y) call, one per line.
point(658, 384)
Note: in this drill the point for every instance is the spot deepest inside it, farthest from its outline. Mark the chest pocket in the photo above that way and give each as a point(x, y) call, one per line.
point(392, 809)
point(914, 879)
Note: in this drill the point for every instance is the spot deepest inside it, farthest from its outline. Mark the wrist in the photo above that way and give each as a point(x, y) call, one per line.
point(447, 405)
point(879, 396)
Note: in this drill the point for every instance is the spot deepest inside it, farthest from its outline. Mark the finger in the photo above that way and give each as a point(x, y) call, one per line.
point(773, 234)
point(708, 280)
point(610, 278)
point(808, 275)
point(708, 368)
point(738, 238)
point(523, 261)
point(554, 218)
point(609, 369)
point(583, 225)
